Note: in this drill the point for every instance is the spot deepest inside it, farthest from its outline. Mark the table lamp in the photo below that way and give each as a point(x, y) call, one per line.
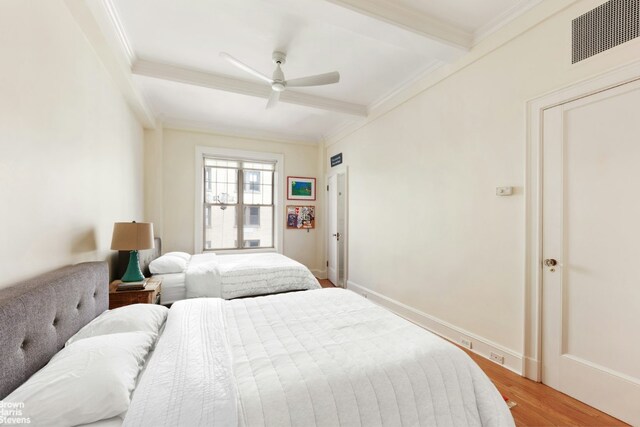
point(132, 237)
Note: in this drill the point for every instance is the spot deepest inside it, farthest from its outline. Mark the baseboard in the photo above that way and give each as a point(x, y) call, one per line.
point(532, 369)
point(320, 274)
point(481, 346)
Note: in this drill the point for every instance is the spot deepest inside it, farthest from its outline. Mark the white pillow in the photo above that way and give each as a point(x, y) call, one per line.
point(168, 264)
point(185, 256)
point(130, 318)
point(88, 381)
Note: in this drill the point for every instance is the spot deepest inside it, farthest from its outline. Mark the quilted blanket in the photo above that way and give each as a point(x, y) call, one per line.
point(188, 381)
point(233, 276)
point(321, 358)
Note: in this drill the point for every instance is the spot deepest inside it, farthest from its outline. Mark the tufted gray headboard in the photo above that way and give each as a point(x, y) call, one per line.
point(39, 315)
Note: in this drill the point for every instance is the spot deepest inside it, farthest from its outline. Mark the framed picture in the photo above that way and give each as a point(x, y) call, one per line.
point(299, 188)
point(301, 217)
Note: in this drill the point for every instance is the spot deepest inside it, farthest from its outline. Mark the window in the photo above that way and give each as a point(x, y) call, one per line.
point(238, 191)
point(252, 216)
point(252, 182)
point(252, 243)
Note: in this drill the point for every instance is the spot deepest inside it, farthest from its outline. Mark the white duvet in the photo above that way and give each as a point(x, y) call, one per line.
point(233, 276)
point(188, 381)
point(321, 358)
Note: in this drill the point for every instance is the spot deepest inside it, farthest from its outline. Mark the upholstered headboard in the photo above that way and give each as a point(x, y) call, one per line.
point(145, 259)
point(39, 315)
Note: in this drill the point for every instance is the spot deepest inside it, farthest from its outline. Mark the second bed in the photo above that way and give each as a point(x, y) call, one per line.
point(229, 276)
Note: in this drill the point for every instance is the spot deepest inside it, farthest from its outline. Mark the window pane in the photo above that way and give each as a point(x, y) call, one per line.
point(259, 166)
point(252, 216)
point(258, 226)
point(221, 186)
point(252, 243)
point(258, 187)
point(221, 163)
point(220, 227)
point(252, 180)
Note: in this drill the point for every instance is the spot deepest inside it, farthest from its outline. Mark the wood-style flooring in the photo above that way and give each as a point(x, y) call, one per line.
point(537, 404)
point(540, 405)
point(325, 283)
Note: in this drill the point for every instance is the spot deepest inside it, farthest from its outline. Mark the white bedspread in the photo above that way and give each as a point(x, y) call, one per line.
point(233, 276)
point(321, 358)
point(188, 381)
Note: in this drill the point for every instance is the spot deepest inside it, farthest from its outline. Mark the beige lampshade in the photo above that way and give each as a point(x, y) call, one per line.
point(130, 236)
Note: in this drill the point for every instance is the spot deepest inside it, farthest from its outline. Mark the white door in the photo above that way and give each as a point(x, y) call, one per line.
point(342, 229)
point(591, 232)
point(332, 229)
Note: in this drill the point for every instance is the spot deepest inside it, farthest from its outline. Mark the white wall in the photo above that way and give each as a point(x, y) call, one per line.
point(426, 228)
point(70, 149)
point(176, 218)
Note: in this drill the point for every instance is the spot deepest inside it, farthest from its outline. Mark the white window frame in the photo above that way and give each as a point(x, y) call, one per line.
point(278, 191)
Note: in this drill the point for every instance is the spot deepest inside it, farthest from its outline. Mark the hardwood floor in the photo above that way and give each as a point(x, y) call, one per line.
point(537, 404)
point(325, 283)
point(540, 405)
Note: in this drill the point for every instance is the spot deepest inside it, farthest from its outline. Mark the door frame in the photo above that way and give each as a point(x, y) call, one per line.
point(341, 169)
point(532, 357)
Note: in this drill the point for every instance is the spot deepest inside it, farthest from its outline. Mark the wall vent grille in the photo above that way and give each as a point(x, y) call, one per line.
point(608, 25)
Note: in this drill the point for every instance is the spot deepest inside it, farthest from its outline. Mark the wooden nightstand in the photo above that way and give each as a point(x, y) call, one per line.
point(149, 295)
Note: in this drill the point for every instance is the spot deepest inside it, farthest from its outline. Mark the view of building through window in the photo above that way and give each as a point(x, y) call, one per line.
point(238, 192)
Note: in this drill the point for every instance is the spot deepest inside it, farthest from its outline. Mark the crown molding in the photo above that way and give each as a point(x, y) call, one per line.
point(331, 135)
point(503, 19)
point(115, 64)
point(230, 84)
point(430, 68)
point(380, 104)
point(120, 34)
point(204, 127)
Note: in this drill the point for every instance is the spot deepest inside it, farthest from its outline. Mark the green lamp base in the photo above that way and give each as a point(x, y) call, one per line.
point(133, 273)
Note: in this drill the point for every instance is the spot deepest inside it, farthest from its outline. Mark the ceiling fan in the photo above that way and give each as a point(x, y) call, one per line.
point(278, 82)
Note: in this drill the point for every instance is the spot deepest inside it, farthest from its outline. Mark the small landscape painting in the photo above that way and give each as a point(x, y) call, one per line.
point(300, 188)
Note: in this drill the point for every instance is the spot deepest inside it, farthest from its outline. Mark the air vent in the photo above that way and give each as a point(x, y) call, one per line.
point(608, 25)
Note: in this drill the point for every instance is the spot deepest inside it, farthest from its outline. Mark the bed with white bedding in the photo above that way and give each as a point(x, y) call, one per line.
point(173, 287)
point(327, 357)
point(323, 357)
point(230, 276)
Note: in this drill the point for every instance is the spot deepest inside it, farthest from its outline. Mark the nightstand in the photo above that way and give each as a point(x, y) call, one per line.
point(149, 295)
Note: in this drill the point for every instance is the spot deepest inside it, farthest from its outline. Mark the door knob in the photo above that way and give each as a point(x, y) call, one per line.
point(550, 262)
point(337, 236)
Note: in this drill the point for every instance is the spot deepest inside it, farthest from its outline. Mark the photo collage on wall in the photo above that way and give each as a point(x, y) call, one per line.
point(301, 217)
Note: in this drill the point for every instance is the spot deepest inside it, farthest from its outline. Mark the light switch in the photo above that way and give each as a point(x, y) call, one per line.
point(504, 191)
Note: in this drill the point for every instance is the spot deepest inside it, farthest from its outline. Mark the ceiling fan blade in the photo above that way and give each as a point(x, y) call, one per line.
point(273, 99)
point(245, 67)
point(318, 80)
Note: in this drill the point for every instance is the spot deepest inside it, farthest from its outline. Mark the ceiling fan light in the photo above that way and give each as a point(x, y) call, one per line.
point(277, 86)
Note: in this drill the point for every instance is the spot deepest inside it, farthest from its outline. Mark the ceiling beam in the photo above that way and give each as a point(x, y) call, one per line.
point(411, 20)
point(243, 87)
point(386, 23)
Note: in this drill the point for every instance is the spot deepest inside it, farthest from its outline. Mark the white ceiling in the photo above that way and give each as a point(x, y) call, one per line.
point(378, 46)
